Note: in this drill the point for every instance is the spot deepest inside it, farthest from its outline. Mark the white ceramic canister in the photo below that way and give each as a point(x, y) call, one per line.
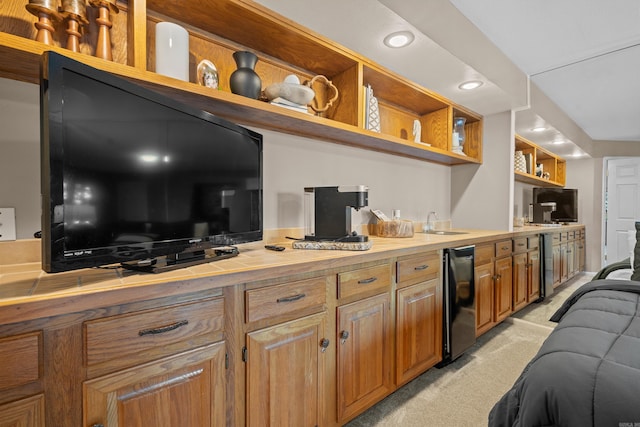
point(172, 50)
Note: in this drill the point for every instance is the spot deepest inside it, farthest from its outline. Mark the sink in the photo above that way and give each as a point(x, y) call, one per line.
point(445, 232)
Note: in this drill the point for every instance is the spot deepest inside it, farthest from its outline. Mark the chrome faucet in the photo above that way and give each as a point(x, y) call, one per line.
point(430, 226)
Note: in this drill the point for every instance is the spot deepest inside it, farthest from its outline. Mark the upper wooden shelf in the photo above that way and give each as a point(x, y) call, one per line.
point(220, 27)
point(551, 163)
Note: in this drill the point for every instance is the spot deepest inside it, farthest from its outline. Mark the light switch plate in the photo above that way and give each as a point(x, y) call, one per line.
point(7, 224)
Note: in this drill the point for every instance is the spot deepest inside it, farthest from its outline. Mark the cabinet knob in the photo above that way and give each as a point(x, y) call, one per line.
point(324, 343)
point(343, 336)
point(98, 425)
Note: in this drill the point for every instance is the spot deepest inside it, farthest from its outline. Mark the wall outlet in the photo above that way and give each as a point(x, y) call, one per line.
point(7, 224)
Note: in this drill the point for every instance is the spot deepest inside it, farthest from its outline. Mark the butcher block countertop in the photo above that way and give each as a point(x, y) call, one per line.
point(27, 292)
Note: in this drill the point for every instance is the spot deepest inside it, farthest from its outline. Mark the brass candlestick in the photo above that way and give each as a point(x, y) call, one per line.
point(46, 11)
point(103, 49)
point(75, 11)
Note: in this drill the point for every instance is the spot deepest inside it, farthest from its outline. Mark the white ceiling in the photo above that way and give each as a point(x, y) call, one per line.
point(570, 65)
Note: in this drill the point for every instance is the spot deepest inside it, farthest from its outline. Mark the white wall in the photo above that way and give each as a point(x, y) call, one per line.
point(20, 155)
point(482, 195)
point(290, 163)
point(586, 176)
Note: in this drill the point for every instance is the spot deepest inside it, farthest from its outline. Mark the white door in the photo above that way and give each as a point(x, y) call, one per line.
point(622, 207)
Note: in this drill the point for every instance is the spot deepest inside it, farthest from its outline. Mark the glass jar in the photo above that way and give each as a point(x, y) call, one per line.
point(458, 137)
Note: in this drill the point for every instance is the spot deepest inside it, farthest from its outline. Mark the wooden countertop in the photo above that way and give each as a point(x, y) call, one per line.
point(26, 292)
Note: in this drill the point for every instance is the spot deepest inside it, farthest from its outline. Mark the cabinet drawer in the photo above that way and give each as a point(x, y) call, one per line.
point(364, 280)
point(285, 299)
point(520, 244)
point(20, 359)
point(153, 333)
point(564, 236)
point(503, 248)
point(418, 268)
point(533, 242)
point(555, 238)
point(484, 253)
point(571, 235)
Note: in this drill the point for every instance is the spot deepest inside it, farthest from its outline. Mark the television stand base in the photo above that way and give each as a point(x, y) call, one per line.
point(173, 262)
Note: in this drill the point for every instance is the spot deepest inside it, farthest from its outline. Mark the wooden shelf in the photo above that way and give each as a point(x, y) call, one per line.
point(551, 163)
point(283, 48)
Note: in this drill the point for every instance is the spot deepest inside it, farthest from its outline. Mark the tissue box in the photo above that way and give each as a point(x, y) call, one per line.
point(395, 228)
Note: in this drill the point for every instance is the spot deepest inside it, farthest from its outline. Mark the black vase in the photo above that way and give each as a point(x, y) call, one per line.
point(244, 81)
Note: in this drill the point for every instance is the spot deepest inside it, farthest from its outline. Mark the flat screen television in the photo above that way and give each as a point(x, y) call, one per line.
point(134, 177)
point(566, 200)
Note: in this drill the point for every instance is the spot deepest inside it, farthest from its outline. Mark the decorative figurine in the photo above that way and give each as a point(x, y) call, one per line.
point(103, 48)
point(207, 74)
point(46, 11)
point(75, 12)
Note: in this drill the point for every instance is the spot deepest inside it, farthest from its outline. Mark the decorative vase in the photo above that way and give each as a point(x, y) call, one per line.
point(458, 136)
point(519, 162)
point(245, 81)
point(172, 50)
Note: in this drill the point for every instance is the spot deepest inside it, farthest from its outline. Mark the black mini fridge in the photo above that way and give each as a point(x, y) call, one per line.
point(459, 306)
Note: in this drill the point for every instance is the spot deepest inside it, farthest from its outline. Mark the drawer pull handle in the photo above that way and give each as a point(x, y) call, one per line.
point(421, 267)
point(367, 281)
point(324, 343)
point(505, 248)
point(163, 329)
point(291, 298)
point(343, 336)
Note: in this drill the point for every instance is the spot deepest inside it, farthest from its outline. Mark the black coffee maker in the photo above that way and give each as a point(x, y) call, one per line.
point(542, 212)
point(328, 212)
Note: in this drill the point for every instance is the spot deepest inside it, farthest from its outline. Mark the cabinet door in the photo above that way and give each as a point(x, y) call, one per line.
point(364, 354)
point(27, 412)
point(564, 264)
point(557, 265)
point(418, 329)
point(183, 390)
point(285, 374)
point(484, 297)
point(571, 259)
point(533, 272)
point(503, 289)
point(520, 277)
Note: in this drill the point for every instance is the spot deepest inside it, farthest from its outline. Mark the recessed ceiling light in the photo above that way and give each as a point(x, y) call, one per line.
point(399, 39)
point(470, 85)
point(539, 129)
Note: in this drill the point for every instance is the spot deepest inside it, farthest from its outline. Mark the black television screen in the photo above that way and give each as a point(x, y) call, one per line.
point(566, 200)
point(132, 175)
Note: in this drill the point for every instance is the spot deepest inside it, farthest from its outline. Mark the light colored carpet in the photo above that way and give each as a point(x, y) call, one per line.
point(462, 393)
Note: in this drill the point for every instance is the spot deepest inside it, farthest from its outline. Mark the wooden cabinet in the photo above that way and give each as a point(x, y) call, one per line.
point(484, 276)
point(286, 353)
point(21, 361)
point(187, 389)
point(418, 315)
point(503, 281)
point(526, 271)
point(533, 275)
point(364, 354)
point(27, 412)
point(550, 163)
point(568, 252)
point(520, 279)
point(286, 373)
point(161, 367)
point(284, 47)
